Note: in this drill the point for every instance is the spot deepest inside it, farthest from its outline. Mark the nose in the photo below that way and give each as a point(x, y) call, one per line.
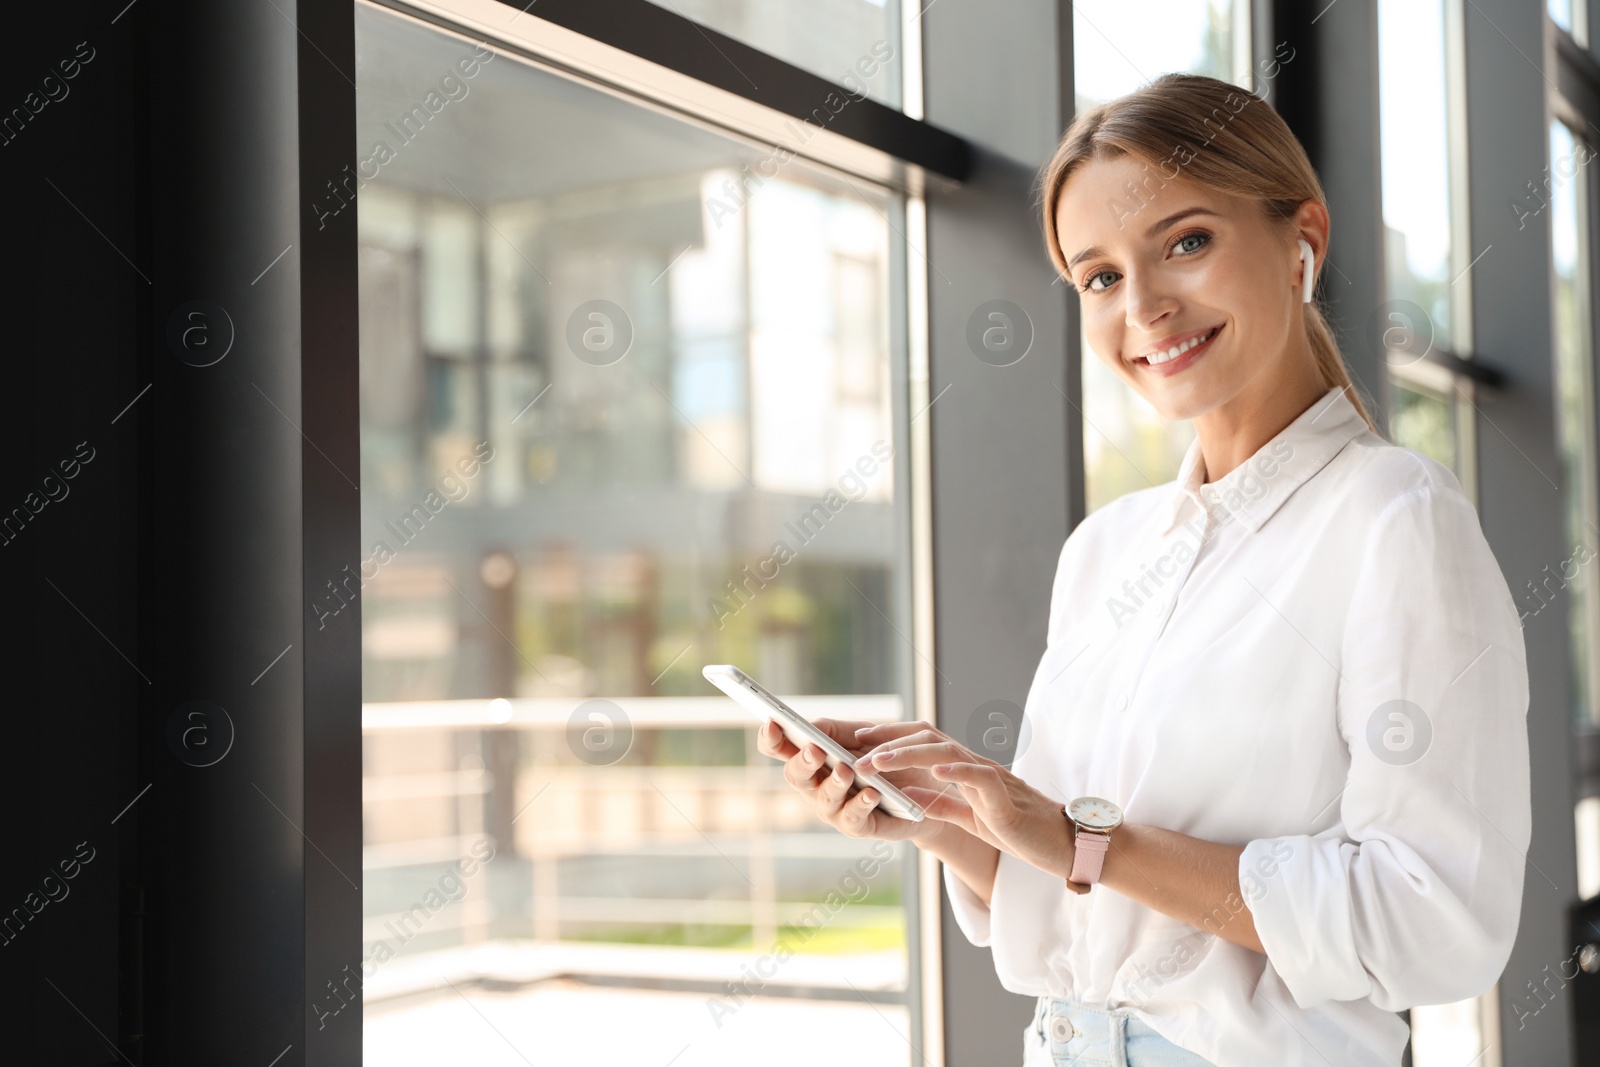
point(1146, 300)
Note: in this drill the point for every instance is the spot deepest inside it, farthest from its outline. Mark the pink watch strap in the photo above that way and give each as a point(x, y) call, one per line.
point(1089, 856)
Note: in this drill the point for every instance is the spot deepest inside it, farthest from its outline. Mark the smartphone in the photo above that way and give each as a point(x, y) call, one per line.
point(801, 731)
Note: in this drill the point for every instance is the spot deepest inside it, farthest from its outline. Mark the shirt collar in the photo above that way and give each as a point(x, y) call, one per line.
point(1254, 490)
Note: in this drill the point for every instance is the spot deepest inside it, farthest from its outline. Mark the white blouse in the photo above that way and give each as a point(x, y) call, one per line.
point(1318, 658)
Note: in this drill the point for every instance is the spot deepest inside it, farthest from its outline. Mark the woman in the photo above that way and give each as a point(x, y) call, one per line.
point(1297, 671)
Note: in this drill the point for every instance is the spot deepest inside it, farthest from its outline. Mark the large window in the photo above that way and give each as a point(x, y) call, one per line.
point(1572, 16)
point(1414, 132)
point(1572, 592)
point(1575, 414)
point(620, 418)
point(1426, 313)
point(1423, 309)
point(852, 43)
point(1117, 48)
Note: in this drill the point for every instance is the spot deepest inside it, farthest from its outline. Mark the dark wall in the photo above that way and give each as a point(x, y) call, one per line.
point(183, 738)
point(75, 180)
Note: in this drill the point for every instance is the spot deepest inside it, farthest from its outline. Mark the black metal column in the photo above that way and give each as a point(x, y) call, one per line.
point(250, 835)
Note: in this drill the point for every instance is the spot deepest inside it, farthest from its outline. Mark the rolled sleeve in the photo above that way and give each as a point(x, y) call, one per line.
point(1414, 895)
point(971, 913)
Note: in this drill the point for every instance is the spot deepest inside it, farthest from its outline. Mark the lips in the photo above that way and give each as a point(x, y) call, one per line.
point(1182, 363)
point(1171, 342)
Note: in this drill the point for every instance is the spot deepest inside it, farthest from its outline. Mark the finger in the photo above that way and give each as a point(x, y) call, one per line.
point(947, 805)
point(982, 787)
point(801, 768)
point(770, 741)
point(841, 730)
point(856, 814)
point(879, 732)
point(919, 737)
point(833, 790)
point(950, 805)
point(914, 751)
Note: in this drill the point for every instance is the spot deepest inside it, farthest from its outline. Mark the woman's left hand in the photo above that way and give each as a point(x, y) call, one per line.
point(987, 800)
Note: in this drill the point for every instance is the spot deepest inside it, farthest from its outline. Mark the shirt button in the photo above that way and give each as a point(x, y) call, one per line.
point(1122, 703)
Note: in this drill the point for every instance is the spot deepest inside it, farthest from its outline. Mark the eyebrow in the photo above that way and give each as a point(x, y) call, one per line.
point(1096, 250)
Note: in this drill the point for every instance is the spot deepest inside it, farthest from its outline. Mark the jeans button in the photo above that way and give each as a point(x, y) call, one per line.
point(1061, 1029)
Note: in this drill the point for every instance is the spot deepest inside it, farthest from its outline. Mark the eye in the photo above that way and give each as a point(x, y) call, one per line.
point(1088, 286)
point(1200, 236)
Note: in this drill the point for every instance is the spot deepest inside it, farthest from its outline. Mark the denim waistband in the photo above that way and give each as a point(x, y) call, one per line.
point(1086, 1034)
point(1094, 1024)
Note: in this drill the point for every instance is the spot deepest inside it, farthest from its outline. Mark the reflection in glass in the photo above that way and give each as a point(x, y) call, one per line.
point(1117, 48)
point(1414, 125)
point(1561, 12)
point(618, 420)
point(1126, 445)
point(1575, 415)
point(852, 43)
point(1425, 421)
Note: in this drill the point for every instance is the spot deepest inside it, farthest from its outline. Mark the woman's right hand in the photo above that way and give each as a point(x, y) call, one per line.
point(829, 790)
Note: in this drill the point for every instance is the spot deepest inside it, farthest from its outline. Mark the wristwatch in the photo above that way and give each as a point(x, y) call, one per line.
point(1093, 819)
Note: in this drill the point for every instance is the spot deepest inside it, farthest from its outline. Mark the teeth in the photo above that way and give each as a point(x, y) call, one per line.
point(1177, 350)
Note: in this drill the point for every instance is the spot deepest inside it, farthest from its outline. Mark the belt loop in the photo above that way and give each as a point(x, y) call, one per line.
point(1119, 1040)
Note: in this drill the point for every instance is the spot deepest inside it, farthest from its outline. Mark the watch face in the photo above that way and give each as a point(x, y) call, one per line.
point(1096, 813)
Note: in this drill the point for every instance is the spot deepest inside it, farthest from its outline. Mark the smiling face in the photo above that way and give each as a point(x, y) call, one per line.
point(1178, 266)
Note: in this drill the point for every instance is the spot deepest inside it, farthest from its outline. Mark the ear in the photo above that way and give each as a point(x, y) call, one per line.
point(1311, 225)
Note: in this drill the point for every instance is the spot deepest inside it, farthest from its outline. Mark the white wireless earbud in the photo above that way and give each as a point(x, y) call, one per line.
point(1308, 276)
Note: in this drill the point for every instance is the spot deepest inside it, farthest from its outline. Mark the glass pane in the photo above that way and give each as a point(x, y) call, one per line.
point(1426, 422)
point(1414, 123)
point(1586, 824)
point(616, 423)
point(1117, 48)
point(1126, 444)
point(1561, 12)
point(1571, 263)
point(853, 43)
point(1447, 1035)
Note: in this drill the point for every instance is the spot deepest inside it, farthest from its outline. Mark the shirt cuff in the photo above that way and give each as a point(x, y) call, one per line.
point(1302, 921)
point(1347, 921)
point(972, 914)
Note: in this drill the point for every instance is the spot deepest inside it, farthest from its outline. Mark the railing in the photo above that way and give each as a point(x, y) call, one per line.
point(430, 796)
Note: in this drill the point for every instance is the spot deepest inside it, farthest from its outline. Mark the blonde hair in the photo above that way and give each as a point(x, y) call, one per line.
point(1217, 136)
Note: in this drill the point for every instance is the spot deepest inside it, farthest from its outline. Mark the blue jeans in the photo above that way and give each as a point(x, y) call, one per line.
point(1066, 1033)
